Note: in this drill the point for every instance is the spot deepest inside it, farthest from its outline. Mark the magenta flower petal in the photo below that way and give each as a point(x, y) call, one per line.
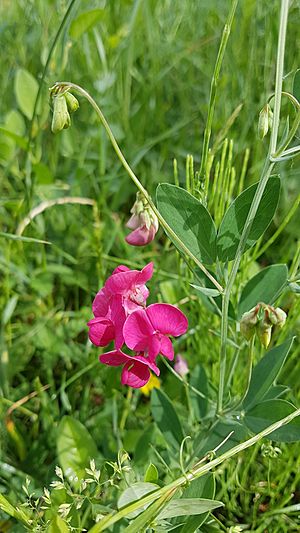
point(135, 375)
point(137, 330)
point(100, 304)
point(120, 268)
point(114, 358)
point(118, 318)
point(167, 319)
point(166, 348)
point(154, 346)
point(101, 331)
point(133, 222)
point(141, 236)
point(145, 274)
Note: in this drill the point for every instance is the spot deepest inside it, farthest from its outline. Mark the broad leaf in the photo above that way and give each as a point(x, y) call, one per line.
point(85, 21)
point(199, 381)
point(203, 487)
point(265, 373)
point(75, 448)
point(233, 223)
point(275, 392)
point(134, 493)
point(151, 475)
point(270, 411)
point(57, 525)
point(207, 441)
point(189, 219)
point(166, 418)
point(266, 286)
point(26, 89)
point(188, 506)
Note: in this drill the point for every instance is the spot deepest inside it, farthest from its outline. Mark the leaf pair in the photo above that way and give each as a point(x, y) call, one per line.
point(192, 223)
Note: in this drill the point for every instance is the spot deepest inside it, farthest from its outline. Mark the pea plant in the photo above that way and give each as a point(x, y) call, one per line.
point(212, 238)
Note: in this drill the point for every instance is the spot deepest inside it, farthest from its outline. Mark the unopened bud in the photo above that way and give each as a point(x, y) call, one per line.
point(264, 333)
point(248, 323)
point(264, 121)
point(61, 118)
point(72, 102)
point(277, 317)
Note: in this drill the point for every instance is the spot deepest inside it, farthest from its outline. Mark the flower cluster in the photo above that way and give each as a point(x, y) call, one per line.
point(121, 315)
point(260, 320)
point(143, 222)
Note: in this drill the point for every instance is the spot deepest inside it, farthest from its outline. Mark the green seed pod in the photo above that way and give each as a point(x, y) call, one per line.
point(61, 118)
point(72, 102)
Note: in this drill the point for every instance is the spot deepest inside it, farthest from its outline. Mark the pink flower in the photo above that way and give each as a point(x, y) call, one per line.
point(181, 366)
point(143, 222)
point(147, 329)
point(124, 292)
point(135, 371)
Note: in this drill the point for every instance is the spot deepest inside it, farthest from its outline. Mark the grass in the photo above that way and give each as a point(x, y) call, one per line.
point(149, 66)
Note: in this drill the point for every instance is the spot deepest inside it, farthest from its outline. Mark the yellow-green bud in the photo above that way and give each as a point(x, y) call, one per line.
point(264, 333)
point(61, 118)
point(72, 102)
point(265, 116)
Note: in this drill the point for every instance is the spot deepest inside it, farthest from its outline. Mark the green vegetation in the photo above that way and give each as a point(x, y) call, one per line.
point(64, 203)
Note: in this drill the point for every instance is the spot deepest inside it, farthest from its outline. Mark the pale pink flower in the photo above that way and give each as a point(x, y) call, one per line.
point(143, 222)
point(147, 329)
point(181, 366)
point(135, 371)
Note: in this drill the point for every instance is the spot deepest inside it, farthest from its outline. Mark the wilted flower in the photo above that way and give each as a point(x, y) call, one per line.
point(248, 322)
point(181, 366)
point(265, 121)
point(143, 222)
point(261, 319)
point(61, 118)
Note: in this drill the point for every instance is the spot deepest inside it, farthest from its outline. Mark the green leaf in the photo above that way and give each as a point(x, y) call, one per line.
point(203, 487)
point(75, 448)
point(17, 513)
point(85, 21)
point(198, 380)
point(133, 494)
point(188, 506)
point(208, 440)
point(296, 85)
point(265, 373)
point(232, 225)
point(270, 411)
point(266, 286)
point(166, 418)
point(205, 290)
point(151, 475)
point(57, 525)
point(275, 392)
point(26, 89)
point(189, 219)
point(146, 518)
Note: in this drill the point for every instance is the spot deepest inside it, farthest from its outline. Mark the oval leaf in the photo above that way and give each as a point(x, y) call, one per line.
point(203, 487)
point(134, 493)
point(188, 506)
point(270, 411)
point(57, 525)
point(232, 225)
point(151, 475)
point(266, 286)
point(265, 373)
point(26, 89)
point(75, 448)
point(166, 418)
point(189, 219)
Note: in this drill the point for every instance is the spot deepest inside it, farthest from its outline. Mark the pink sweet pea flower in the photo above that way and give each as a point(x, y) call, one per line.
point(135, 371)
point(124, 292)
point(147, 329)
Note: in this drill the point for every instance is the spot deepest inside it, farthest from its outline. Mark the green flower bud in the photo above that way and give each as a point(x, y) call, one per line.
point(264, 121)
point(72, 102)
point(264, 333)
point(61, 118)
point(248, 322)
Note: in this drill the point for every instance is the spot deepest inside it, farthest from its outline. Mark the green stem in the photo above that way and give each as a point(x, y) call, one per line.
point(213, 88)
point(197, 471)
point(136, 181)
point(267, 170)
point(249, 368)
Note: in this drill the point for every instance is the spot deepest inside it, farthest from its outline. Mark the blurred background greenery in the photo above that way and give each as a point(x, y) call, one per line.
point(148, 65)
